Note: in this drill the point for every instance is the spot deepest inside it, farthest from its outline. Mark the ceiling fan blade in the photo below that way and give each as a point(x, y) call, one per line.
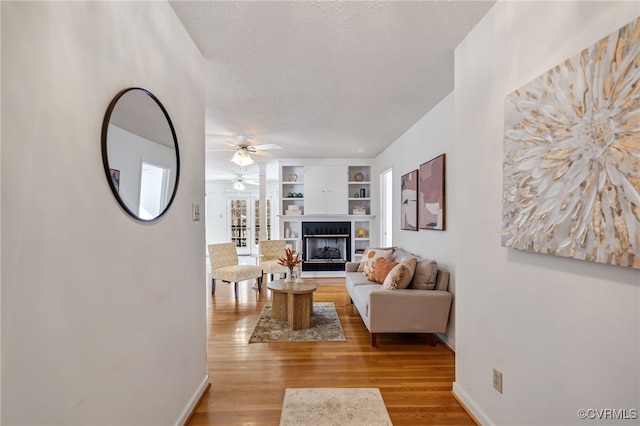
point(264, 154)
point(266, 146)
point(235, 145)
point(220, 150)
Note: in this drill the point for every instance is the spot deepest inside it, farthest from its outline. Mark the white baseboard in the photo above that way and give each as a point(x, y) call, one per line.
point(191, 406)
point(470, 405)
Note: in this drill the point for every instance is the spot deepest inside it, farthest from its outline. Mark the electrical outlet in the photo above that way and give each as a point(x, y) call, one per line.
point(497, 380)
point(195, 212)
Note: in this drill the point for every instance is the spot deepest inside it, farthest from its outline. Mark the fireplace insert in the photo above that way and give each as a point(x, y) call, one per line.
point(326, 245)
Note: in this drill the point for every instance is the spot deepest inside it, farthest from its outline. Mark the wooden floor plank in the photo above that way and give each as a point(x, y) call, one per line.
point(248, 380)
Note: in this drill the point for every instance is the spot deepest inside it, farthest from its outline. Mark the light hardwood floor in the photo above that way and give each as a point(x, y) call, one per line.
point(248, 380)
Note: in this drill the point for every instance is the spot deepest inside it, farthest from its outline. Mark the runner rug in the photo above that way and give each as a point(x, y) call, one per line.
point(334, 406)
point(325, 327)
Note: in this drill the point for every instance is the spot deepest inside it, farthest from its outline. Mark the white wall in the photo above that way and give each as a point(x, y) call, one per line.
point(431, 136)
point(565, 333)
point(103, 317)
point(0, 223)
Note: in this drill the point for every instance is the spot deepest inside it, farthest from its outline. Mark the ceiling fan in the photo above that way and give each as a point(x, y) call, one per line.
point(239, 183)
point(243, 148)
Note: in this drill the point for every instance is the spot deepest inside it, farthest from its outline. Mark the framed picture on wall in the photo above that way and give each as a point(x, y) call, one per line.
point(115, 178)
point(431, 201)
point(409, 201)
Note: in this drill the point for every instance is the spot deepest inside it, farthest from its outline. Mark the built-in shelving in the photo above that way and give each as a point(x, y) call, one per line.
point(359, 190)
point(297, 189)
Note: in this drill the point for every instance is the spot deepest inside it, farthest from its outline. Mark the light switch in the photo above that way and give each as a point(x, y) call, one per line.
point(195, 212)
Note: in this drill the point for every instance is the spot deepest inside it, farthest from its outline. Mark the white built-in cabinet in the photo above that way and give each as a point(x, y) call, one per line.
point(317, 192)
point(326, 189)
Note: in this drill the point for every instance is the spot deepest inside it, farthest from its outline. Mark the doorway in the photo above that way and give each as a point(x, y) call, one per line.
point(386, 208)
point(154, 188)
point(244, 221)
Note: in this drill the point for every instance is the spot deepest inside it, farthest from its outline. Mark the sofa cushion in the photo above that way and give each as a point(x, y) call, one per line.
point(381, 268)
point(371, 255)
point(400, 276)
point(354, 279)
point(424, 277)
point(361, 297)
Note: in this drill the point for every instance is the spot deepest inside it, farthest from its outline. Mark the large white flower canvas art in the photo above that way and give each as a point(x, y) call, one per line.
point(571, 172)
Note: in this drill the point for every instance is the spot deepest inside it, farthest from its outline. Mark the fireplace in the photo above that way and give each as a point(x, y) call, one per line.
point(326, 246)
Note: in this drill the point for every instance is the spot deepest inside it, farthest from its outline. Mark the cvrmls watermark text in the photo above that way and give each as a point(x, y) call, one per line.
point(608, 413)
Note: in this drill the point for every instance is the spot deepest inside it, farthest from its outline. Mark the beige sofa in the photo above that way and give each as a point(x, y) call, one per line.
point(402, 310)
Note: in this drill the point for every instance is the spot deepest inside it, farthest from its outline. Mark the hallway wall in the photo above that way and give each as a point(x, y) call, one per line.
point(103, 317)
point(565, 333)
point(431, 136)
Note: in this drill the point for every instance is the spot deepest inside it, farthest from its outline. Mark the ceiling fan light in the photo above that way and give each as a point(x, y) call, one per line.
point(238, 186)
point(242, 158)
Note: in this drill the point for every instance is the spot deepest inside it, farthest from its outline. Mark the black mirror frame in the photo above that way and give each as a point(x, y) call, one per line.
point(105, 159)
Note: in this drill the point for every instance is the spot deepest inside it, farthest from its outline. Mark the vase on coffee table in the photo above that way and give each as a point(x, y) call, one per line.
point(290, 277)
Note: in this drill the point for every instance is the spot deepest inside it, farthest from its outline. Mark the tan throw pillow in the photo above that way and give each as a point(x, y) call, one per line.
point(400, 255)
point(400, 276)
point(381, 269)
point(424, 277)
point(371, 256)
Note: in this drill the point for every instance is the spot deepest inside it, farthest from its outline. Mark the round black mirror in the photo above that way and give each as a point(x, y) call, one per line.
point(140, 153)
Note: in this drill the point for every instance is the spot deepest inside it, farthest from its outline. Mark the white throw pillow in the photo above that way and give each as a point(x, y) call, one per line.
point(400, 276)
point(371, 256)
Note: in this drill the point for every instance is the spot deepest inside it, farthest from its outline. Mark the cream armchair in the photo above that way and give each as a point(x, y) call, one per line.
point(270, 251)
point(224, 267)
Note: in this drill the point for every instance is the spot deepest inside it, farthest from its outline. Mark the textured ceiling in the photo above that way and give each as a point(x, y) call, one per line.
point(322, 79)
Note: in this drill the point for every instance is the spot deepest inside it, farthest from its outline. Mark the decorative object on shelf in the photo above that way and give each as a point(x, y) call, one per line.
point(363, 193)
point(409, 200)
point(293, 210)
point(299, 195)
point(431, 201)
point(359, 210)
point(289, 194)
point(293, 177)
point(570, 157)
point(290, 260)
point(358, 177)
point(287, 232)
point(356, 195)
point(362, 233)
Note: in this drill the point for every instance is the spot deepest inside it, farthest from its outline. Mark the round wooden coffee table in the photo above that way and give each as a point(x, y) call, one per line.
point(292, 302)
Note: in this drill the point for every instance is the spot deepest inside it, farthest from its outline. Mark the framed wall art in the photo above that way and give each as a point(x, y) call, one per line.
point(115, 178)
point(431, 195)
point(571, 156)
point(409, 200)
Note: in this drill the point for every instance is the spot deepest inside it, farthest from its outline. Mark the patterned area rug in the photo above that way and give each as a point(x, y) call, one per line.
point(325, 327)
point(334, 406)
